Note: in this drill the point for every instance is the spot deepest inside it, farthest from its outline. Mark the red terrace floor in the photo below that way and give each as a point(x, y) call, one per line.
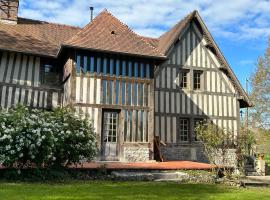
point(172, 165)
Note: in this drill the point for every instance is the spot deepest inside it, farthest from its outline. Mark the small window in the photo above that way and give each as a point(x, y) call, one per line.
point(50, 75)
point(197, 80)
point(197, 122)
point(183, 79)
point(184, 130)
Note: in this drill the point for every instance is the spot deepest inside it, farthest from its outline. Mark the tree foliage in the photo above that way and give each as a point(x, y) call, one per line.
point(214, 141)
point(217, 143)
point(260, 94)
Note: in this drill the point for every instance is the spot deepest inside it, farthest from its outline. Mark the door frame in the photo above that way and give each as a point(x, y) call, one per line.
point(118, 148)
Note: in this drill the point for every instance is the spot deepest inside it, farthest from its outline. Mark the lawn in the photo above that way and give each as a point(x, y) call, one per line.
point(126, 190)
point(267, 159)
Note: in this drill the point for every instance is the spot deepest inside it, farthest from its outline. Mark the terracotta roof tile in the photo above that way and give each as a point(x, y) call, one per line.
point(107, 33)
point(35, 37)
point(168, 38)
point(165, 41)
point(104, 33)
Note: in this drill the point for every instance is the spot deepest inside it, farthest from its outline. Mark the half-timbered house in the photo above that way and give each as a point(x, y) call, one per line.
point(132, 87)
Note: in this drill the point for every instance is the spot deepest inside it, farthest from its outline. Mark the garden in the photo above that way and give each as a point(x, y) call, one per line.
point(37, 146)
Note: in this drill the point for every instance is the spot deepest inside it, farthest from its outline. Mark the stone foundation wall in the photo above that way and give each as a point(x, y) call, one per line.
point(192, 152)
point(195, 152)
point(136, 154)
point(228, 158)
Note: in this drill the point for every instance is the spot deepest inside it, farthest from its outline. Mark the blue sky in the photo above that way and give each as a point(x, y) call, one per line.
point(240, 27)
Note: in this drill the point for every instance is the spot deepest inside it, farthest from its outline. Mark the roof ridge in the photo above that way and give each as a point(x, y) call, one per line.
point(47, 22)
point(151, 38)
point(87, 25)
point(170, 36)
point(191, 14)
point(140, 37)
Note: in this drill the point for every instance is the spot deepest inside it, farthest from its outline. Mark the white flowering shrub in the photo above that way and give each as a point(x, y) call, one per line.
point(75, 141)
point(42, 138)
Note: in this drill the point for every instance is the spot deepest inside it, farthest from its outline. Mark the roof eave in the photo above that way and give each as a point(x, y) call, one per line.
point(30, 53)
point(113, 52)
point(245, 96)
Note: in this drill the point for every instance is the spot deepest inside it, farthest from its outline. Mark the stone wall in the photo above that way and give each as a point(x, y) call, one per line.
point(192, 152)
point(136, 154)
point(228, 158)
point(195, 152)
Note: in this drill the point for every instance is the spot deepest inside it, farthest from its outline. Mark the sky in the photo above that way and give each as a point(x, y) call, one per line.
point(240, 27)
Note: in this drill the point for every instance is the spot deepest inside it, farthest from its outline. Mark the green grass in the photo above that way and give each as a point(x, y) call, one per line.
point(267, 159)
point(126, 190)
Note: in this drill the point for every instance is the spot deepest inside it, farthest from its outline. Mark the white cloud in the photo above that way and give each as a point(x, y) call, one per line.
point(233, 19)
point(247, 62)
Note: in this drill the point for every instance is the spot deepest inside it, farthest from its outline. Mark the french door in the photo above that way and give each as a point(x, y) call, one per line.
point(110, 135)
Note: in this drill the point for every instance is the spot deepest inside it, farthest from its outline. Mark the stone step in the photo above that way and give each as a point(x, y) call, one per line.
point(130, 175)
point(250, 170)
point(141, 175)
point(257, 181)
point(168, 180)
point(249, 166)
point(254, 173)
point(169, 175)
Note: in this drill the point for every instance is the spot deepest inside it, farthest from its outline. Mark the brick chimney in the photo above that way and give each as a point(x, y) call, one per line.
point(9, 11)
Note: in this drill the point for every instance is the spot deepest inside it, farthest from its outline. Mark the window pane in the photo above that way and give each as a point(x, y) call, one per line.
point(184, 130)
point(50, 75)
point(183, 79)
point(78, 66)
point(130, 69)
point(136, 69)
point(123, 92)
point(142, 70)
point(197, 80)
point(117, 67)
point(124, 68)
point(147, 71)
point(98, 65)
point(111, 67)
point(117, 91)
point(92, 64)
point(105, 66)
point(85, 64)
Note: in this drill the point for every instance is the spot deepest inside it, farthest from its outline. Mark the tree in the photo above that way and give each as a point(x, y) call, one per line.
point(260, 94)
point(218, 143)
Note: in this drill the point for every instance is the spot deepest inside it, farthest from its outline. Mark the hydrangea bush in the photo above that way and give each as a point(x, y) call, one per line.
point(43, 138)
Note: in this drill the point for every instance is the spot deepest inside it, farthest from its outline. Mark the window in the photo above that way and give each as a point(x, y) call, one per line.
point(197, 122)
point(113, 66)
point(197, 80)
point(184, 130)
point(110, 127)
point(183, 79)
point(50, 75)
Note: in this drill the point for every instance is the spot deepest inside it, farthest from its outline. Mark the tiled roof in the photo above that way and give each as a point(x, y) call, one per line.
point(107, 33)
point(104, 33)
point(35, 37)
point(165, 41)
